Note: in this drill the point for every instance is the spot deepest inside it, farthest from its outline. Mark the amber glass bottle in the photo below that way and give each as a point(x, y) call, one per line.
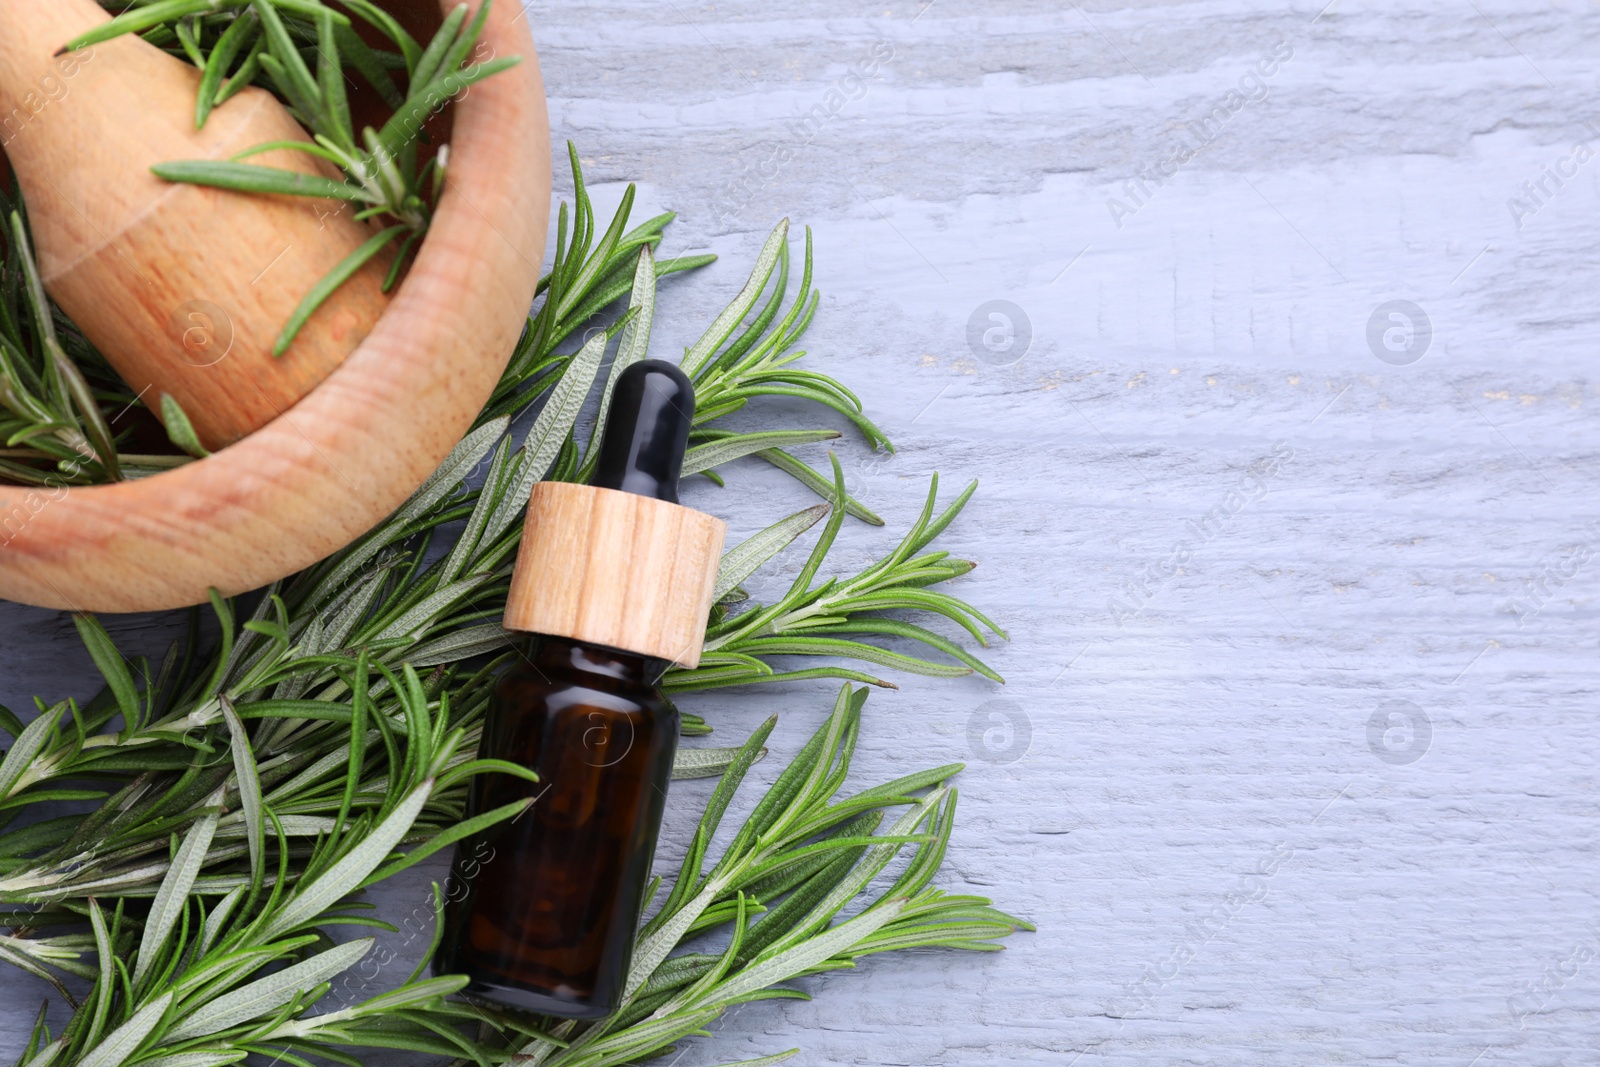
point(612, 585)
point(554, 901)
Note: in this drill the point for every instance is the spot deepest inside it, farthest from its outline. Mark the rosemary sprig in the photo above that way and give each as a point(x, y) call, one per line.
point(589, 275)
point(800, 858)
point(311, 644)
point(51, 424)
point(299, 49)
point(825, 619)
point(247, 791)
point(216, 969)
point(730, 371)
point(59, 398)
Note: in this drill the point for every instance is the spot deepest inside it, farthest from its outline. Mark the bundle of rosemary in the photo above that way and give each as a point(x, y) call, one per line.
point(237, 798)
point(244, 794)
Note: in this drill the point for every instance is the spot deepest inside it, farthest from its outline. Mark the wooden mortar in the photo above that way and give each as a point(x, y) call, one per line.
point(183, 288)
point(333, 465)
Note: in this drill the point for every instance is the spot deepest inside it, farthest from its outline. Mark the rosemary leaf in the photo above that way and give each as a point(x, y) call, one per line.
point(239, 36)
point(724, 449)
point(180, 431)
point(696, 358)
point(331, 281)
point(249, 178)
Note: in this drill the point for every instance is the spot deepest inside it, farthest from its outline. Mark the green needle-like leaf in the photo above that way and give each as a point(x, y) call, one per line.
point(249, 178)
point(270, 993)
point(741, 561)
point(633, 345)
point(330, 282)
point(239, 36)
point(350, 871)
point(180, 431)
point(19, 759)
point(108, 660)
point(248, 779)
point(695, 359)
point(139, 19)
point(172, 898)
point(817, 483)
point(126, 1039)
point(706, 762)
point(724, 449)
point(330, 84)
point(560, 413)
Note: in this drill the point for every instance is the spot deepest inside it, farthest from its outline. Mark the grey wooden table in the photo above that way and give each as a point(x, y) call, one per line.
point(1266, 328)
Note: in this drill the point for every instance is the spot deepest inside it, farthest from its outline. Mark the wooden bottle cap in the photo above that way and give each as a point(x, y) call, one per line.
point(612, 568)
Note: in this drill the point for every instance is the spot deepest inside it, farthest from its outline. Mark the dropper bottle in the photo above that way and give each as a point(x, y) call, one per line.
point(612, 585)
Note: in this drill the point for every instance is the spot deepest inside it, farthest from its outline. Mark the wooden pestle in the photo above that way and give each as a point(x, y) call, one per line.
point(184, 289)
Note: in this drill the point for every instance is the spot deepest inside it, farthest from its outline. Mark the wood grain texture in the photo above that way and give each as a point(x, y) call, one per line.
point(1130, 781)
point(185, 289)
point(616, 569)
point(330, 467)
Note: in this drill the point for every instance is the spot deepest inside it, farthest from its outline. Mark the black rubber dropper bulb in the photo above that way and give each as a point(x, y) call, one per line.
point(646, 431)
point(545, 907)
